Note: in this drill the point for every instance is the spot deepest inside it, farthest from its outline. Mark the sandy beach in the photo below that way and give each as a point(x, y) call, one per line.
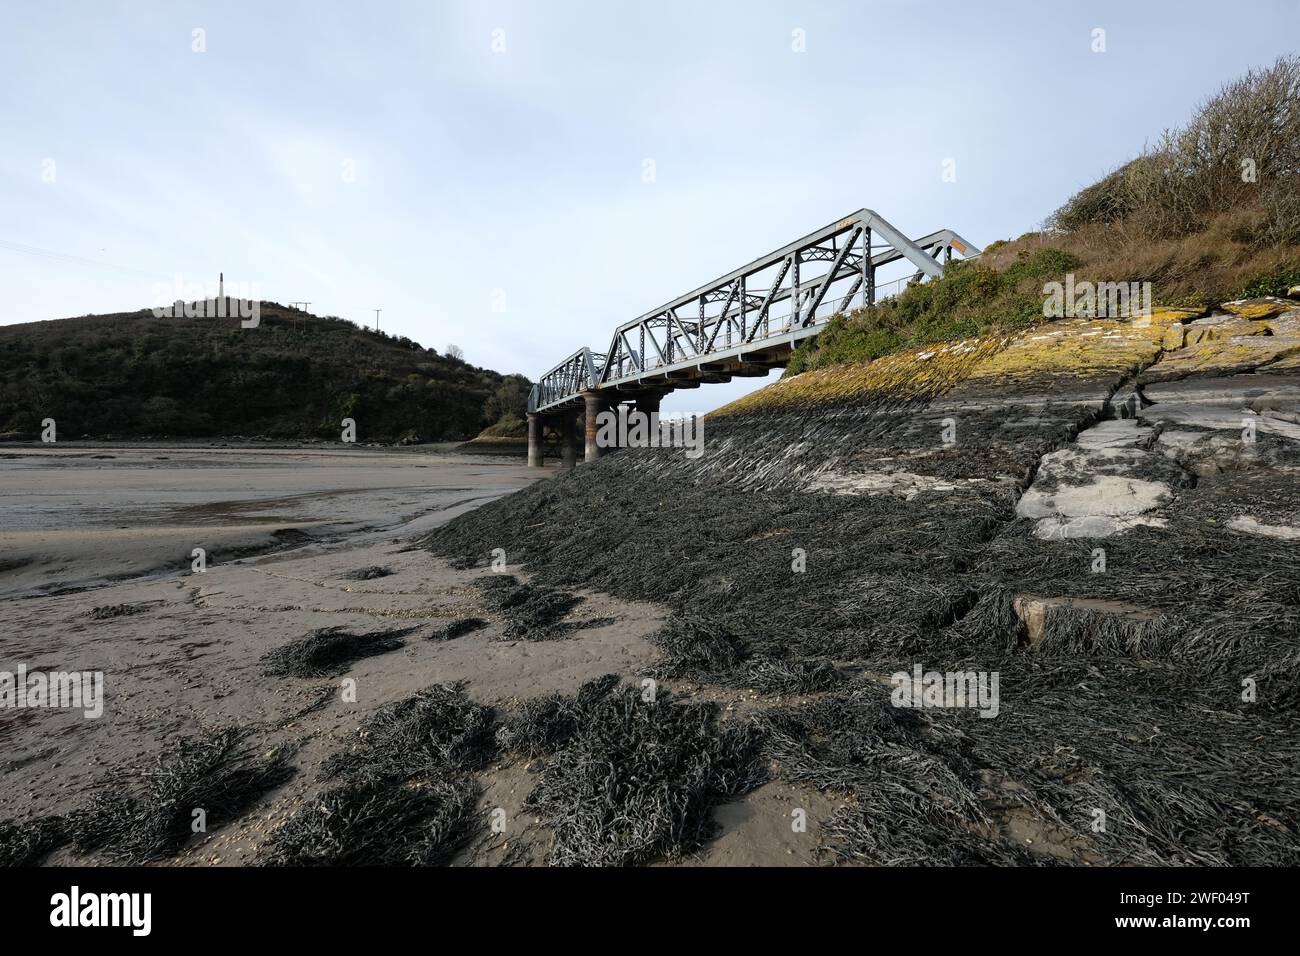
point(97, 576)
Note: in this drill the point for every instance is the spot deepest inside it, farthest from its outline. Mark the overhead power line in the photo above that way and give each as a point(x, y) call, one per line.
point(37, 252)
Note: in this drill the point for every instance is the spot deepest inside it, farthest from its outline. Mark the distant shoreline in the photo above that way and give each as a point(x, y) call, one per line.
point(306, 444)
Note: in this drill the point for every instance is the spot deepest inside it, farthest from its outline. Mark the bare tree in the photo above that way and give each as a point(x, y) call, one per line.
point(455, 352)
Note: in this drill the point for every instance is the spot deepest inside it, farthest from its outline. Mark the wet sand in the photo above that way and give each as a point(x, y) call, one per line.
point(74, 516)
point(88, 528)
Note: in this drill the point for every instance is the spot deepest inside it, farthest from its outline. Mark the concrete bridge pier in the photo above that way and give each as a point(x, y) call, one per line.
point(535, 455)
point(569, 438)
point(595, 404)
point(649, 404)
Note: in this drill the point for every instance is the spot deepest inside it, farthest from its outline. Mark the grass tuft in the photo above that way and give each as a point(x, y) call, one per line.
point(29, 843)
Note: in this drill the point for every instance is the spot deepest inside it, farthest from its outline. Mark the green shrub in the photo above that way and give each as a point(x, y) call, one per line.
point(1240, 150)
point(1275, 283)
point(969, 299)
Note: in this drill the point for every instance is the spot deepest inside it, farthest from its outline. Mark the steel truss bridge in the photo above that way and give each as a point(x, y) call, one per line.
point(748, 321)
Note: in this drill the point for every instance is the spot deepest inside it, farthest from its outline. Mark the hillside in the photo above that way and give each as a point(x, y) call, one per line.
point(295, 376)
point(1210, 213)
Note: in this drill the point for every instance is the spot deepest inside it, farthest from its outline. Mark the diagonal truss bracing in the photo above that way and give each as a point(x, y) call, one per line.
point(779, 298)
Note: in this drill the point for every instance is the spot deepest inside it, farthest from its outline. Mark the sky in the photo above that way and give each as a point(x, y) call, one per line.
point(517, 178)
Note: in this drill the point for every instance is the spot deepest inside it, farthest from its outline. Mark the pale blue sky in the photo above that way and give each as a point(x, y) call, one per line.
point(521, 171)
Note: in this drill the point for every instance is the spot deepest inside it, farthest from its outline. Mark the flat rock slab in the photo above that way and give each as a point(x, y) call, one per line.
point(1249, 525)
point(1092, 493)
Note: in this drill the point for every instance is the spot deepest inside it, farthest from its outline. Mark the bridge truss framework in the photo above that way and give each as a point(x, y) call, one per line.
point(744, 323)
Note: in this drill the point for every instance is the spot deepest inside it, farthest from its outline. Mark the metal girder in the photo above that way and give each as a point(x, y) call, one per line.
point(636, 358)
point(566, 381)
point(831, 276)
point(669, 345)
point(770, 299)
point(726, 307)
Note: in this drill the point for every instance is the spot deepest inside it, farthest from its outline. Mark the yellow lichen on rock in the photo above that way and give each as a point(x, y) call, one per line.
point(1288, 323)
point(904, 376)
point(1220, 328)
point(1072, 350)
point(1261, 308)
point(1167, 316)
point(1172, 320)
point(1287, 363)
point(1047, 359)
point(1227, 345)
point(1174, 338)
point(1042, 358)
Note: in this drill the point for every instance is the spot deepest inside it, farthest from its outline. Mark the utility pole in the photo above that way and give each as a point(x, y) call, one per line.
point(377, 311)
point(301, 306)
